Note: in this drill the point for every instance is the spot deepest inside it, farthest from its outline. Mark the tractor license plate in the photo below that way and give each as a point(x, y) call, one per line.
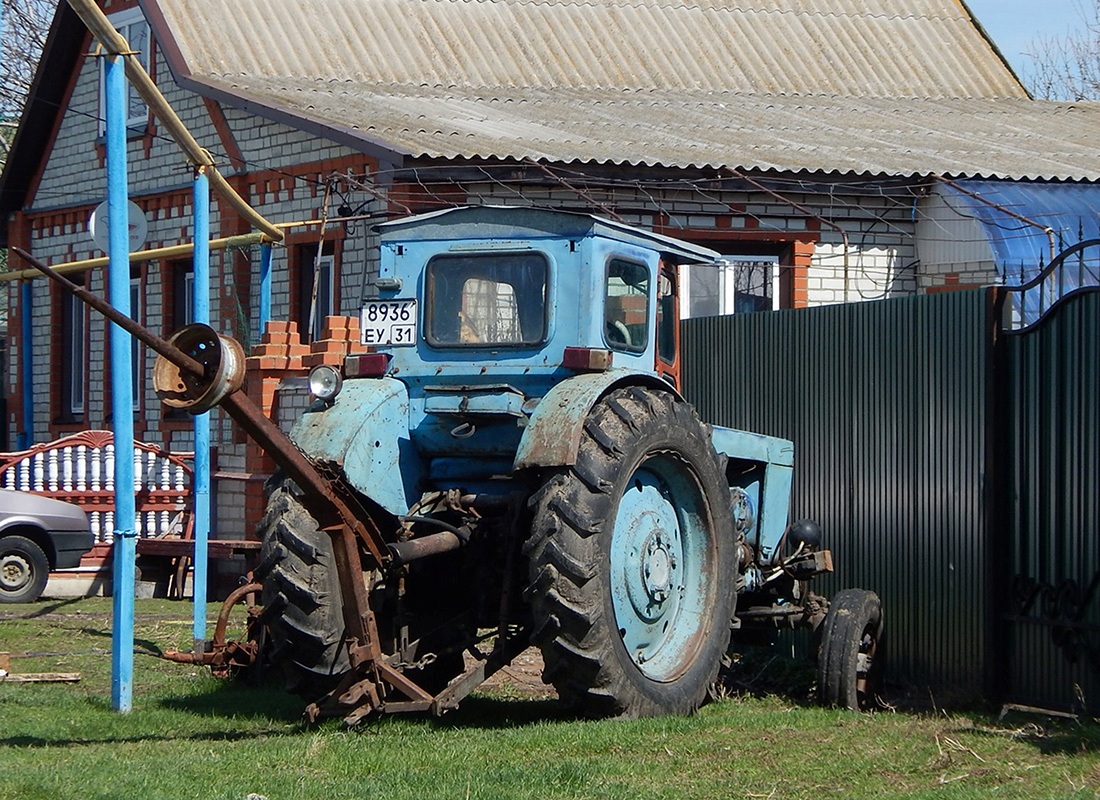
point(388, 322)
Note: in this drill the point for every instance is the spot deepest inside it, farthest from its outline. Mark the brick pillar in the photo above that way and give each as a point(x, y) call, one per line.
point(278, 356)
point(281, 355)
point(802, 254)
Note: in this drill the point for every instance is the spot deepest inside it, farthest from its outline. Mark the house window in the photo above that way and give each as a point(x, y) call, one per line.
point(739, 284)
point(182, 310)
point(179, 304)
point(314, 302)
point(132, 25)
point(74, 326)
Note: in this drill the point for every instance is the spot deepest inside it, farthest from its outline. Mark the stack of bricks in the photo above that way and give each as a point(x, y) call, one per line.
point(339, 339)
point(281, 355)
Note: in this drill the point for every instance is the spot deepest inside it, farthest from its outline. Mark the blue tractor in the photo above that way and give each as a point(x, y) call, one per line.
point(519, 442)
point(512, 464)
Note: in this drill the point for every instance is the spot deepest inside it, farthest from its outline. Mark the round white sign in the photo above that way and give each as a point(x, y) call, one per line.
point(139, 228)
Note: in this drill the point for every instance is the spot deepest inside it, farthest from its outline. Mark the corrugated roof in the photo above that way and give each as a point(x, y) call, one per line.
point(988, 138)
point(857, 48)
point(844, 86)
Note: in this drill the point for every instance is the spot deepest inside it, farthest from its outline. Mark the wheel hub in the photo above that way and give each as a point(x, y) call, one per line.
point(650, 583)
point(657, 567)
point(657, 595)
point(15, 571)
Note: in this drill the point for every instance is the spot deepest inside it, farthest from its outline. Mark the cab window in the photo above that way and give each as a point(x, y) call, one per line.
point(626, 306)
point(496, 299)
point(666, 319)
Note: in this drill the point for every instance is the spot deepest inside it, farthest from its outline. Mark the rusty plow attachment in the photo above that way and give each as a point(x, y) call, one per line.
point(199, 369)
point(227, 657)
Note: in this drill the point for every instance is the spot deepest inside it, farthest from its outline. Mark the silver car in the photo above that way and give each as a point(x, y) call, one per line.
point(37, 535)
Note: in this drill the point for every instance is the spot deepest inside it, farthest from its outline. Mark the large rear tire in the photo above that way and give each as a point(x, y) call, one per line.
point(632, 563)
point(302, 590)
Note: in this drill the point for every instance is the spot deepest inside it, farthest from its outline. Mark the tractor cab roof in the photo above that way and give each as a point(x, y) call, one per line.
point(503, 223)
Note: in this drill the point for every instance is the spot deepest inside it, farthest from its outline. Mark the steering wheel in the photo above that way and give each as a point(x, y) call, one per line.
point(618, 333)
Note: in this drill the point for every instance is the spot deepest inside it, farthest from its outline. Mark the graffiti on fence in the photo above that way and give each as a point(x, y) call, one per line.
point(1063, 607)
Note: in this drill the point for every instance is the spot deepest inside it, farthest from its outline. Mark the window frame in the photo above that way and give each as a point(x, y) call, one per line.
point(123, 21)
point(73, 318)
point(621, 347)
point(726, 279)
point(429, 304)
point(178, 306)
point(302, 272)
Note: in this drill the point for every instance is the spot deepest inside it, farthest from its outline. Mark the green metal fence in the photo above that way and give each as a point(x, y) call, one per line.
point(886, 405)
point(953, 467)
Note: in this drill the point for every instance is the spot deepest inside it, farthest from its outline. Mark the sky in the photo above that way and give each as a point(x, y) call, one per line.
point(1014, 24)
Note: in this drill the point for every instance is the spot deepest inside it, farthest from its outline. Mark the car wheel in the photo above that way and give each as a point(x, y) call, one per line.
point(24, 570)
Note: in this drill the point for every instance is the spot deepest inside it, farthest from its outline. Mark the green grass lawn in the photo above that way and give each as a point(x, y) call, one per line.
point(194, 736)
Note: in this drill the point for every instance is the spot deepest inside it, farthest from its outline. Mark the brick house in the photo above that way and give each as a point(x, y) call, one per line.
point(830, 149)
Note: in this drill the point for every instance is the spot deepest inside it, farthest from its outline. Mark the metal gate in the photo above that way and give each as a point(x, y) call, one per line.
point(1052, 412)
point(953, 466)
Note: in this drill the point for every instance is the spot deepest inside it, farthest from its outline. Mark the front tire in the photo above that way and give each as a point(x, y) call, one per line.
point(24, 570)
point(849, 661)
point(302, 592)
point(631, 561)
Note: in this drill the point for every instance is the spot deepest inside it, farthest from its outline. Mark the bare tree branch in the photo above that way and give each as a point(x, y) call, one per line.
point(1068, 67)
point(25, 26)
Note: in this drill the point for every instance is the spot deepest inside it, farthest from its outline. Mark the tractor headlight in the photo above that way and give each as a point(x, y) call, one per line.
point(325, 382)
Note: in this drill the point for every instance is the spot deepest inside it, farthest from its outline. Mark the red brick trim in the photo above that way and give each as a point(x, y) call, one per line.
point(225, 134)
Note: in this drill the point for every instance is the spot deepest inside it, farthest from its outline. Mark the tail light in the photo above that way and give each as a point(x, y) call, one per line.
point(367, 365)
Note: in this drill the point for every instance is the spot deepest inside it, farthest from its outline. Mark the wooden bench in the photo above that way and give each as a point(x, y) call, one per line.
point(79, 469)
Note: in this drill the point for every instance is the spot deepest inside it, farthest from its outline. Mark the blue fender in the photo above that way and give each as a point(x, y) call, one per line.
point(553, 433)
point(365, 432)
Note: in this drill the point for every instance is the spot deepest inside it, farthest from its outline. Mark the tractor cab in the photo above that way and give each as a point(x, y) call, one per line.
point(478, 315)
point(524, 295)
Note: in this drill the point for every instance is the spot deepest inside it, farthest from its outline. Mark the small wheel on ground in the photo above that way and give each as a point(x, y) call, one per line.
point(631, 561)
point(849, 659)
point(301, 595)
point(24, 570)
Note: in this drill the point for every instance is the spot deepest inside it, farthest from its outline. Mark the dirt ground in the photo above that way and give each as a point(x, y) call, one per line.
point(523, 676)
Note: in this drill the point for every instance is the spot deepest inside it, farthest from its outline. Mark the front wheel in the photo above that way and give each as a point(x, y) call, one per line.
point(849, 661)
point(24, 570)
point(632, 563)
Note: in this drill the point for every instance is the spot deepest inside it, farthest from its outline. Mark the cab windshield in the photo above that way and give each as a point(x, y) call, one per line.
point(496, 299)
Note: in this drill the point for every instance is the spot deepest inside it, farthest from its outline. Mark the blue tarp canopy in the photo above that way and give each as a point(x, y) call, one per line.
point(1021, 250)
point(1071, 210)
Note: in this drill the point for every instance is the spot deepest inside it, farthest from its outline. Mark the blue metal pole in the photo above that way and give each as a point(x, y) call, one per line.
point(201, 210)
point(265, 287)
point(26, 357)
point(122, 396)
